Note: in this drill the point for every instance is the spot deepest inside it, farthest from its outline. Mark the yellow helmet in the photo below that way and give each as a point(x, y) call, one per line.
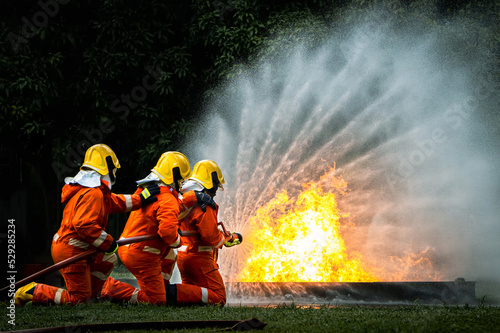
point(102, 159)
point(172, 167)
point(208, 173)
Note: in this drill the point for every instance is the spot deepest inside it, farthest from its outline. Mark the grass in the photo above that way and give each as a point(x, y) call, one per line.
point(280, 318)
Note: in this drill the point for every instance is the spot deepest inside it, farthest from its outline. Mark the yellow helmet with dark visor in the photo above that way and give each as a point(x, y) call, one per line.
point(102, 159)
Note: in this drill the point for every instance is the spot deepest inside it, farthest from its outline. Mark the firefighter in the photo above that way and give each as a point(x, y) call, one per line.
point(202, 282)
point(152, 262)
point(88, 202)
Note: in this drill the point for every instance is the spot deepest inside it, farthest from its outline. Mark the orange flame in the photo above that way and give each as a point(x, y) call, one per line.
point(300, 241)
point(415, 266)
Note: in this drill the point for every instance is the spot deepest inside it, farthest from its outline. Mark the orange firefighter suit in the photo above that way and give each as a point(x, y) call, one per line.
point(202, 282)
point(83, 226)
point(151, 262)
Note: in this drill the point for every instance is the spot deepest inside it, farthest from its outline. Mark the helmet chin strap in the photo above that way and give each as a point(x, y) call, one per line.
point(177, 178)
point(111, 167)
point(215, 181)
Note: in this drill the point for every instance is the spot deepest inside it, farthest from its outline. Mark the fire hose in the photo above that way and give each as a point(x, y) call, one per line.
point(196, 233)
point(76, 258)
point(223, 325)
point(88, 253)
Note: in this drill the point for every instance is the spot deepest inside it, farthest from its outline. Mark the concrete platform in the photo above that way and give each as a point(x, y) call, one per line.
point(454, 292)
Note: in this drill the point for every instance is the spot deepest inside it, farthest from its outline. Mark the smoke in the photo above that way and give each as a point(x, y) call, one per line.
point(406, 114)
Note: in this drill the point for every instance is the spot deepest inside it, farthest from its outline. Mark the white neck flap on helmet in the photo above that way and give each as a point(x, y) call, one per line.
point(87, 178)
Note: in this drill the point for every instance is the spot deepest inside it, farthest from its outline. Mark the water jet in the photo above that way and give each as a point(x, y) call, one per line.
point(390, 125)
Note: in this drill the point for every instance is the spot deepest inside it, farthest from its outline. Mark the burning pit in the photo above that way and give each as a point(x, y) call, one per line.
point(302, 240)
point(297, 254)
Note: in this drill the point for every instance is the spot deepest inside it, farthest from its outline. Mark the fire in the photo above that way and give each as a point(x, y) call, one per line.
point(299, 241)
point(415, 267)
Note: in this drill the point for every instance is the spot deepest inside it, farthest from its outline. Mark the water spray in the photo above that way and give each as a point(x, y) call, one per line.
point(393, 115)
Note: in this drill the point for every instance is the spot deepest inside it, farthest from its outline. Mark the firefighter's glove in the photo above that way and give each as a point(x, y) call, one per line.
point(112, 248)
point(204, 200)
point(236, 239)
point(148, 195)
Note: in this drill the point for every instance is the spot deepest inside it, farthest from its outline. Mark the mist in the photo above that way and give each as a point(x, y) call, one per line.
point(408, 127)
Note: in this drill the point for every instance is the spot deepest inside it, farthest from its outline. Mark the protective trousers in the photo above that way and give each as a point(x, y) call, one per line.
point(84, 279)
point(152, 272)
point(201, 279)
